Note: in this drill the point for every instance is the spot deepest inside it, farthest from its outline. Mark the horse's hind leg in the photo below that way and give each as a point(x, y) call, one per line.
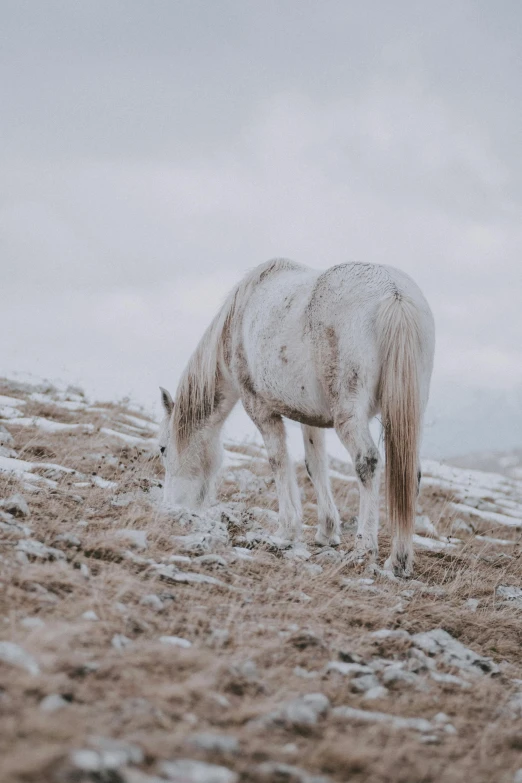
point(316, 463)
point(354, 432)
point(272, 429)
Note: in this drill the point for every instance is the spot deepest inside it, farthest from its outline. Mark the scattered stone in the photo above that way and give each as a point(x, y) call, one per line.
point(220, 743)
point(218, 638)
point(347, 669)
point(53, 702)
point(472, 604)
point(301, 713)
point(120, 642)
point(450, 680)
point(84, 570)
point(510, 594)
point(171, 574)
point(15, 505)
point(396, 677)
point(180, 559)
point(107, 755)
point(175, 641)
point(275, 772)
point(385, 633)
point(68, 538)
point(304, 673)
point(364, 716)
point(365, 683)
point(14, 655)
point(123, 499)
point(35, 549)
point(453, 652)
point(188, 771)
point(153, 601)
point(90, 615)
point(379, 692)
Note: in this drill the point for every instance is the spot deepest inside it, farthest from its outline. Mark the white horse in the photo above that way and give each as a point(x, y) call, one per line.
point(326, 349)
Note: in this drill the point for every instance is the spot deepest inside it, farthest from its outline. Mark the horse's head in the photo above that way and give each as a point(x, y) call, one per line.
point(185, 483)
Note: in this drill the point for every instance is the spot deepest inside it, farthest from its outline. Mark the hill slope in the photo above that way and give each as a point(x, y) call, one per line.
point(138, 647)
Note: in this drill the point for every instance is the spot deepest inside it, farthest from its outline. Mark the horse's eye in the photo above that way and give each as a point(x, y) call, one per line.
point(162, 449)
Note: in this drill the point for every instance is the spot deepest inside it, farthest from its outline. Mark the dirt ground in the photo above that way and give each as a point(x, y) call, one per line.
point(134, 643)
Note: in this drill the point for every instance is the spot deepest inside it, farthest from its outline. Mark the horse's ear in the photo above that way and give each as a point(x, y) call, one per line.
point(167, 401)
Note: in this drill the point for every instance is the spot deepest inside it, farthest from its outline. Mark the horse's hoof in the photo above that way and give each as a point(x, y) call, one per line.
point(323, 539)
point(402, 568)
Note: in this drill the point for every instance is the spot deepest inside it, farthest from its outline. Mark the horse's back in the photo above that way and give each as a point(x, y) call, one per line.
point(309, 336)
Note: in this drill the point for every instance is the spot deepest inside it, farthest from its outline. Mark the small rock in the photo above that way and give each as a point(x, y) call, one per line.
point(119, 641)
point(385, 633)
point(220, 743)
point(363, 716)
point(153, 601)
point(300, 713)
point(396, 677)
point(347, 669)
point(15, 505)
point(90, 615)
point(379, 692)
point(365, 683)
point(14, 655)
point(189, 771)
point(219, 637)
point(108, 755)
point(68, 538)
point(175, 641)
point(84, 570)
point(275, 772)
point(53, 702)
point(510, 593)
point(36, 549)
point(453, 652)
point(304, 673)
point(472, 604)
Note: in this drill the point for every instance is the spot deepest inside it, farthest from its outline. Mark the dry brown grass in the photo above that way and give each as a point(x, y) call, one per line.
point(157, 696)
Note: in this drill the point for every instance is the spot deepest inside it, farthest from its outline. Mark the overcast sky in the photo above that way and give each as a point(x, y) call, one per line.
point(152, 152)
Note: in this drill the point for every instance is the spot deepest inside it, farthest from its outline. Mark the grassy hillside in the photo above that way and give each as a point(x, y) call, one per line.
point(138, 646)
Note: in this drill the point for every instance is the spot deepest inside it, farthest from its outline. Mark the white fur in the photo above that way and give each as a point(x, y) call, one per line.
point(315, 347)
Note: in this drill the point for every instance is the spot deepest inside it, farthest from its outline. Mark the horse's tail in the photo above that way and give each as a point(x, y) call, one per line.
point(399, 331)
point(198, 393)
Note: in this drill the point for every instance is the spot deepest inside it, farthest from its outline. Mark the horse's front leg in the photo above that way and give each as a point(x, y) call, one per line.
point(316, 462)
point(272, 429)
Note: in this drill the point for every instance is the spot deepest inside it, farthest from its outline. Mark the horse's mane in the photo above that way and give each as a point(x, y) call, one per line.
point(197, 395)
